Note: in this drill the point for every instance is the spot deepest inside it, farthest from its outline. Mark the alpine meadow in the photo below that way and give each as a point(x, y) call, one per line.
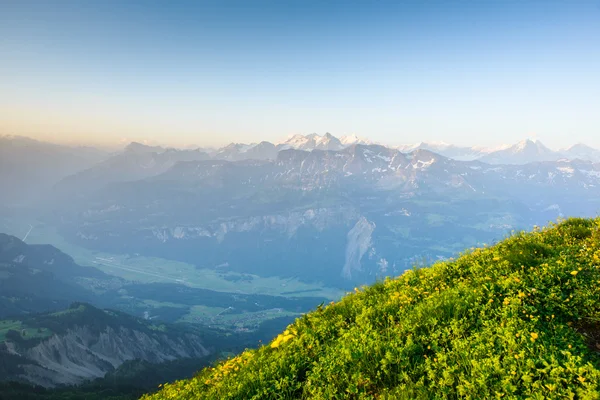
point(519, 319)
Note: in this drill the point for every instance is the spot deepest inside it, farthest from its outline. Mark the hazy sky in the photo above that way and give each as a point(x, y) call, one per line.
point(211, 72)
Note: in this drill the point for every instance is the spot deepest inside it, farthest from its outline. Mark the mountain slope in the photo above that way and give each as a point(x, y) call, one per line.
point(461, 153)
point(516, 320)
point(524, 152)
point(237, 151)
point(29, 168)
point(353, 139)
point(582, 152)
point(311, 142)
point(37, 278)
point(84, 342)
point(137, 161)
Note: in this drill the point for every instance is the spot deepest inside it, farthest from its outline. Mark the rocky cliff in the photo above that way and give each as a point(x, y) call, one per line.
point(85, 351)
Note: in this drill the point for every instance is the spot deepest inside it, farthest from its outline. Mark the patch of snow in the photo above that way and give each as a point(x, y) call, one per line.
point(566, 170)
point(423, 164)
point(353, 139)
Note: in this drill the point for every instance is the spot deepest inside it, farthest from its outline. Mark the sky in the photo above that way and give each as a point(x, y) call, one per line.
point(212, 72)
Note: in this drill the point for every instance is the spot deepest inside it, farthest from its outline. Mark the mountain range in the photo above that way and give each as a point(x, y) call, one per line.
point(30, 168)
point(340, 217)
point(524, 152)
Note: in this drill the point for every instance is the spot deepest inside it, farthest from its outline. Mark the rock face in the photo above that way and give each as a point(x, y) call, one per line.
point(81, 354)
point(89, 350)
point(359, 241)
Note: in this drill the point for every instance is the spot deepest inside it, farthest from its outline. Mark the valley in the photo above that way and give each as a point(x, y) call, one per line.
point(145, 269)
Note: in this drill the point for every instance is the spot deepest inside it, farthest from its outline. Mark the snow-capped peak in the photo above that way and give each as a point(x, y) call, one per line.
point(312, 142)
point(583, 152)
point(533, 145)
point(524, 152)
point(353, 139)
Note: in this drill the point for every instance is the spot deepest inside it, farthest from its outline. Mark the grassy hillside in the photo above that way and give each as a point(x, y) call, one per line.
point(520, 319)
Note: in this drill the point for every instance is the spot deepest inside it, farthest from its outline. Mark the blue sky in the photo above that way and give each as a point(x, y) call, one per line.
point(211, 72)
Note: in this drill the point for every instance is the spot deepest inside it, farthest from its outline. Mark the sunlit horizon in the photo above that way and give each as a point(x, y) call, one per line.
point(207, 74)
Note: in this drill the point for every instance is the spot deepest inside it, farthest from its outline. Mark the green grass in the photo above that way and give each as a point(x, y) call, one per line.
point(70, 310)
point(25, 331)
point(218, 317)
point(202, 314)
point(160, 304)
point(520, 319)
point(7, 325)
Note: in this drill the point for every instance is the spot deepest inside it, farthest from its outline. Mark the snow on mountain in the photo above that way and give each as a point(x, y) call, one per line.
point(232, 151)
point(293, 142)
point(582, 152)
point(241, 151)
point(406, 148)
point(353, 139)
point(524, 152)
point(312, 142)
point(460, 153)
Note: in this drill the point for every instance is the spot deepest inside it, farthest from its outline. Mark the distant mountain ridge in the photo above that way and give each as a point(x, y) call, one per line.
point(524, 152)
point(364, 211)
point(30, 169)
point(582, 152)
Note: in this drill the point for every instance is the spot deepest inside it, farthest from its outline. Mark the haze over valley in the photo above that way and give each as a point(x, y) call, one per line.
point(316, 209)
